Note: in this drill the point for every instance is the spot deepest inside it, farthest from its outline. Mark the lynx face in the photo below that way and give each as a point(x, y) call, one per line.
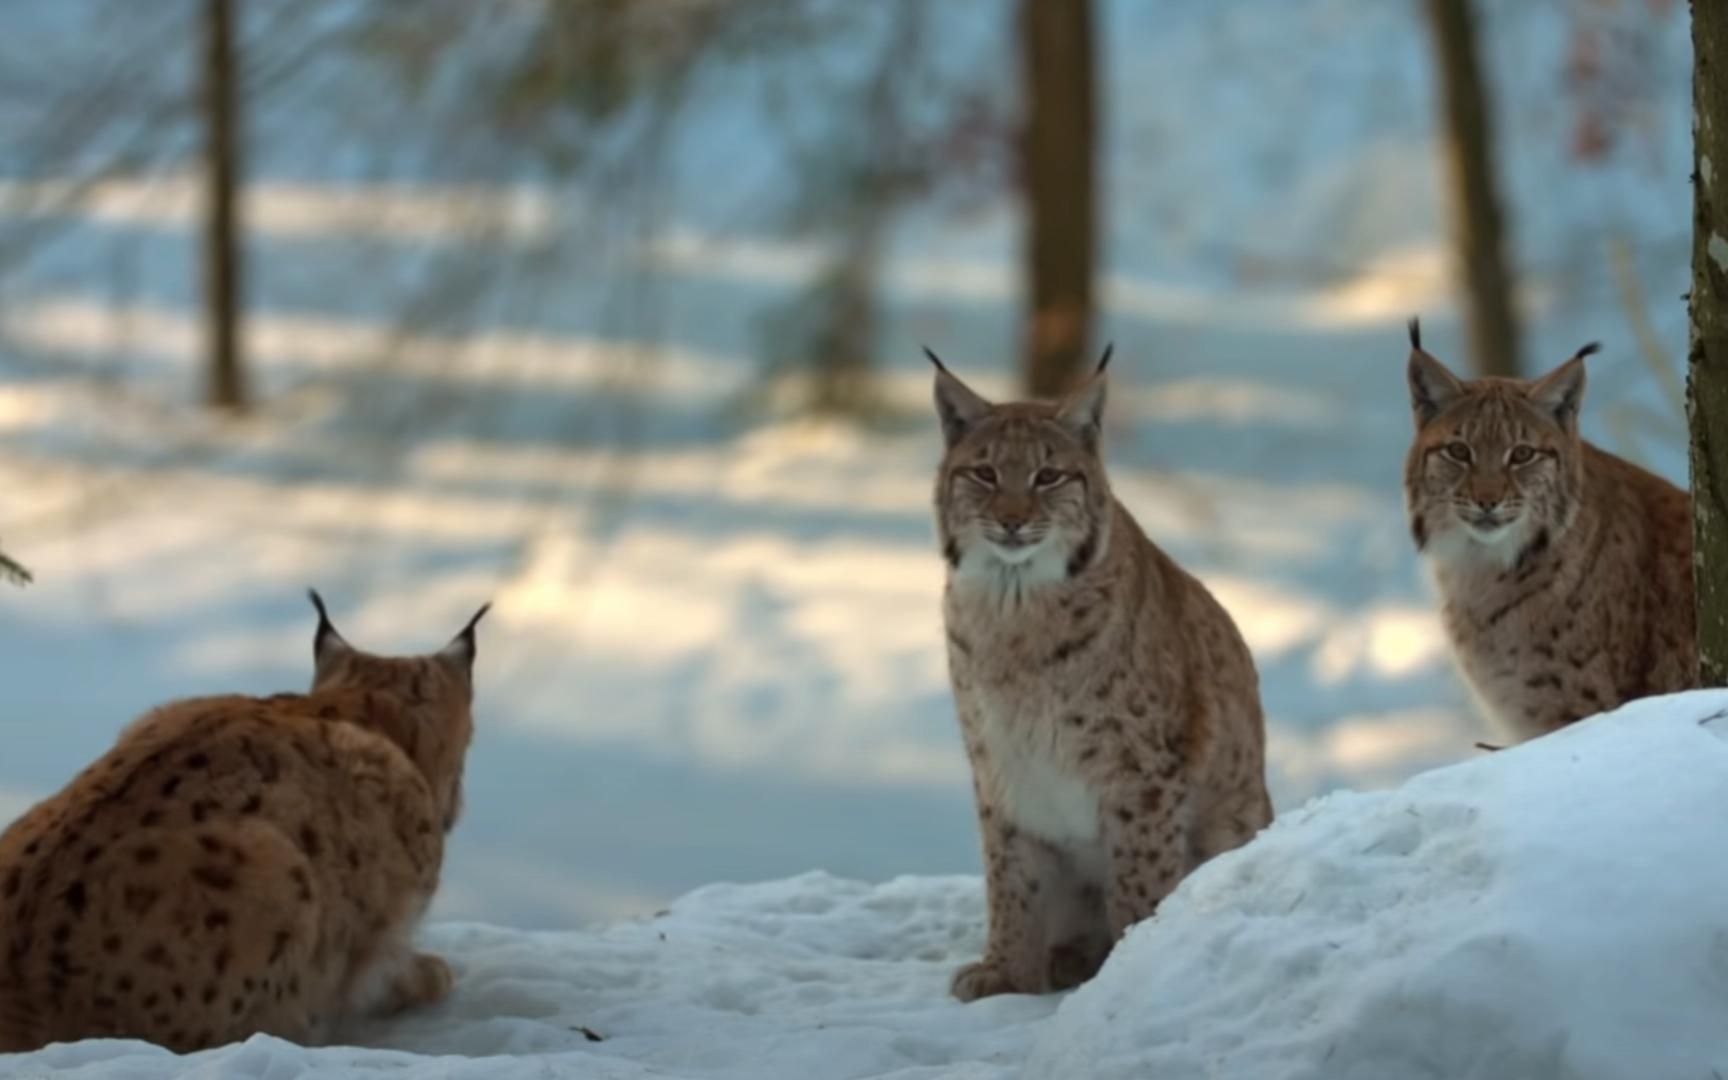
point(1496, 465)
point(1021, 491)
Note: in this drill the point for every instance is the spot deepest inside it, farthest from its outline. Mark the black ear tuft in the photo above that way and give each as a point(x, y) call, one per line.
point(326, 630)
point(467, 633)
point(462, 647)
point(1588, 350)
point(934, 359)
point(958, 406)
point(1415, 332)
point(1104, 361)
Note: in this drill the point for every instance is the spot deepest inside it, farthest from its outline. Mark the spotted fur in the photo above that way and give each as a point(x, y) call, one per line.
point(1564, 572)
point(237, 865)
point(1110, 708)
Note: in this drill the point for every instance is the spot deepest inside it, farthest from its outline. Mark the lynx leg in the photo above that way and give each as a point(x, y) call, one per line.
point(1021, 874)
point(1230, 826)
point(1078, 934)
point(1147, 849)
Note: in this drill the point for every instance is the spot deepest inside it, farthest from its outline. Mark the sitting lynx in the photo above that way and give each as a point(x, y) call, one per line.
point(1110, 709)
point(238, 865)
point(1565, 573)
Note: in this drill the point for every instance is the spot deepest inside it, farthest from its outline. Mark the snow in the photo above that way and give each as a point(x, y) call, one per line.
point(1552, 910)
point(809, 977)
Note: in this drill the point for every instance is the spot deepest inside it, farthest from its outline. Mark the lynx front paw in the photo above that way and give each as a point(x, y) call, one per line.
point(986, 978)
point(426, 981)
point(1076, 962)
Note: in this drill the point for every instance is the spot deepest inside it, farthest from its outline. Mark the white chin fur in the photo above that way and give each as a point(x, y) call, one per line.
point(1007, 575)
point(1014, 556)
point(1467, 543)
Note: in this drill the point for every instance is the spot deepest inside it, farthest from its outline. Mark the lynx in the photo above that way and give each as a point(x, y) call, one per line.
point(1565, 573)
point(237, 865)
point(1109, 707)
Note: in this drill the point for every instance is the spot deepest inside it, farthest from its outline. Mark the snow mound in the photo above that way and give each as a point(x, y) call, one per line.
point(1555, 910)
point(809, 977)
point(1552, 911)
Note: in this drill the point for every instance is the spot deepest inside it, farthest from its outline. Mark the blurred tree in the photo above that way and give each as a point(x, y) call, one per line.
point(1059, 151)
point(1613, 78)
point(222, 241)
point(851, 184)
point(1477, 224)
point(871, 118)
point(1707, 358)
point(895, 137)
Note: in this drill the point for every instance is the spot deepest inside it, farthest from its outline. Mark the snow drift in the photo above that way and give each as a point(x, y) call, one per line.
point(1555, 910)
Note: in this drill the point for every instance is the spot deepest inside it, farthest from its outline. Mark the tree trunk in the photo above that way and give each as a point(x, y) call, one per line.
point(1060, 167)
point(1477, 227)
point(1707, 354)
point(222, 271)
point(846, 340)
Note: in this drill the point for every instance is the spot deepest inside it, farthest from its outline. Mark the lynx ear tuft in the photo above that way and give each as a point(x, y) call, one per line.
point(329, 648)
point(958, 407)
point(1433, 387)
point(459, 654)
point(1083, 412)
point(1561, 391)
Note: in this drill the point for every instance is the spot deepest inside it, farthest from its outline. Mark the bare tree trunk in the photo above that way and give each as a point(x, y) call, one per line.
point(1707, 355)
point(222, 269)
point(1060, 162)
point(1477, 227)
point(845, 343)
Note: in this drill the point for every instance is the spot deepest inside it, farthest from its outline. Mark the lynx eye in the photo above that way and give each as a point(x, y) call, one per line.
point(1521, 455)
point(1457, 451)
point(1048, 478)
point(984, 474)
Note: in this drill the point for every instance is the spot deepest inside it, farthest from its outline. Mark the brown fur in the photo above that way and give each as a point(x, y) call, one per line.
point(237, 865)
point(1109, 706)
point(1565, 573)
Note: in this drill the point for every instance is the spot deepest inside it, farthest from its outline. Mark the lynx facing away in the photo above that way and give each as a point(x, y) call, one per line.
point(238, 865)
point(1110, 709)
point(1565, 573)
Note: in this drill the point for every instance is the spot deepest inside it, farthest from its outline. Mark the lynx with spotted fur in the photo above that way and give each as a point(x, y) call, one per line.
point(1565, 573)
point(237, 865)
point(1109, 706)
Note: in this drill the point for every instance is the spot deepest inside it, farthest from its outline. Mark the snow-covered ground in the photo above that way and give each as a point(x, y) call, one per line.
point(1551, 912)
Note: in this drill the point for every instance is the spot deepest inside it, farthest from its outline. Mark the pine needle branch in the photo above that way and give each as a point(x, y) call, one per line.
point(13, 571)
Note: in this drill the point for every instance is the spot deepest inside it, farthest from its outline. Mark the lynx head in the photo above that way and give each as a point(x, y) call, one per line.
point(1497, 467)
point(432, 695)
point(1021, 491)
